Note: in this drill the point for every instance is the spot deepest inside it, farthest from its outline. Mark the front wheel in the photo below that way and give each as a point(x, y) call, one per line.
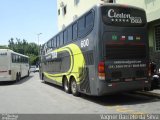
point(74, 88)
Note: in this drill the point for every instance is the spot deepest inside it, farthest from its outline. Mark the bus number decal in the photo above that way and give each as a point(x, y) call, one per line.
point(84, 43)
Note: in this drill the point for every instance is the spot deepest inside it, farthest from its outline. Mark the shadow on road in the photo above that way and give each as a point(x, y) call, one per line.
point(121, 99)
point(25, 79)
point(116, 99)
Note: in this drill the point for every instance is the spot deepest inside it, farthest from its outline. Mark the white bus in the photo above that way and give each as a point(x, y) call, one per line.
point(13, 66)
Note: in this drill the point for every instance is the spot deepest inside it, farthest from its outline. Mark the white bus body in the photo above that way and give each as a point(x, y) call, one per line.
point(13, 66)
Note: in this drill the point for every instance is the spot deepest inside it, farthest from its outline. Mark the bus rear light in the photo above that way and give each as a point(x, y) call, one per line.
point(101, 71)
point(9, 72)
point(101, 67)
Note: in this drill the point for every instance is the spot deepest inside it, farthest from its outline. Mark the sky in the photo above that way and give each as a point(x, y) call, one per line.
point(24, 19)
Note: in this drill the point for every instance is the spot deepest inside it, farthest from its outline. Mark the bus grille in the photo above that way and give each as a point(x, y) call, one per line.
point(125, 52)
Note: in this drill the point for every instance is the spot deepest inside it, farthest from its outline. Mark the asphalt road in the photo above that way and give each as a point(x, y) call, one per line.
point(31, 96)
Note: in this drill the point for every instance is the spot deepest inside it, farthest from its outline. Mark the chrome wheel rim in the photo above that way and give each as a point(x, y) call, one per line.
point(74, 87)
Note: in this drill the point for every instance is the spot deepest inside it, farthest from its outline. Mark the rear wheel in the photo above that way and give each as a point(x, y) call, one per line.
point(66, 86)
point(74, 88)
point(28, 74)
point(17, 77)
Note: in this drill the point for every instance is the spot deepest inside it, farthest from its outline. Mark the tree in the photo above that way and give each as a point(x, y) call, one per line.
point(23, 47)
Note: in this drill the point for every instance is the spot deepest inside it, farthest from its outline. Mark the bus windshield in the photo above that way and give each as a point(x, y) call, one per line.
point(123, 16)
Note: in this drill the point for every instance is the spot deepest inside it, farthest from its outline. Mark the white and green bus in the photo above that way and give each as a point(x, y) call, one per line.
point(13, 66)
point(104, 51)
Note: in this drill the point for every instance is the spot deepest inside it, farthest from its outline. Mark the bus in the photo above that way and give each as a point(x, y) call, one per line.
point(13, 66)
point(104, 51)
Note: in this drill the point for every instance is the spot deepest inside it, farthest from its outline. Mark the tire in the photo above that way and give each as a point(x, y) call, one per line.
point(43, 81)
point(66, 86)
point(28, 74)
point(74, 88)
point(17, 77)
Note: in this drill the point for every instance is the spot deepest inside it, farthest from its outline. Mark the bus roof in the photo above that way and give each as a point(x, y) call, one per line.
point(94, 7)
point(11, 51)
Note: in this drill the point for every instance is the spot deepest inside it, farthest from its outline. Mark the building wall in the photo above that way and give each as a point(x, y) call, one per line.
point(152, 7)
point(73, 10)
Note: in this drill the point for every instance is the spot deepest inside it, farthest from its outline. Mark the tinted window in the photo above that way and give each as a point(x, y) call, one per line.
point(69, 33)
point(52, 43)
point(58, 41)
point(74, 31)
point(61, 38)
point(65, 36)
point(49, 44)
point(81, 27)
point(89, 20)
point(55, 42)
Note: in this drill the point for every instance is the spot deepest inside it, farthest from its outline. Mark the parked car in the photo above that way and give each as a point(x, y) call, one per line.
point(33, 68)
point(37, 69)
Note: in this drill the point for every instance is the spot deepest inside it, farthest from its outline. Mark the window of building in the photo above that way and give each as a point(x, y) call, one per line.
point(157, 37)
point(65, 10)
point(59, 12)
point(76, 2)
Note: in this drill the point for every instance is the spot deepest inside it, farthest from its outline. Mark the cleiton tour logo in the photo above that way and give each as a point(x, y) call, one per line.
point(123, 17)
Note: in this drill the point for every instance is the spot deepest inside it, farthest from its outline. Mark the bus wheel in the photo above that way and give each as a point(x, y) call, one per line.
point(42, 77)
point(28, 74)
point(66, 85)
point(17, 77)
point(74, 88)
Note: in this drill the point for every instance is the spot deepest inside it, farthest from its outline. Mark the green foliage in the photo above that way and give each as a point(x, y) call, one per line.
point(3, 47)
point(23, 47)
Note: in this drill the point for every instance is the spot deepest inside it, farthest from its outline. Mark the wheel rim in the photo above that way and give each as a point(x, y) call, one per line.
point(74, 87)
point(66, 85)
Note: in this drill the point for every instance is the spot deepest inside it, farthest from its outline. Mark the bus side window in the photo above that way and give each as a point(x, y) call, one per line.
point(89, 21)
point(49, 44)
point(58, 41)
point(81, 27)
point(69, 34)
point(55, 42)
point(61, 38)
point(74, 28)
point(16, 58)
point(52, 43)
point(65, 36)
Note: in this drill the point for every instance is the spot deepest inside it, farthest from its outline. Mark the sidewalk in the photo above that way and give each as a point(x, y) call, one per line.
point(154, 93)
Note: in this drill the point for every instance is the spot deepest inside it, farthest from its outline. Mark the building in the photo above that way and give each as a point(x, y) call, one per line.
point(153, 17)
point(70, 10)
